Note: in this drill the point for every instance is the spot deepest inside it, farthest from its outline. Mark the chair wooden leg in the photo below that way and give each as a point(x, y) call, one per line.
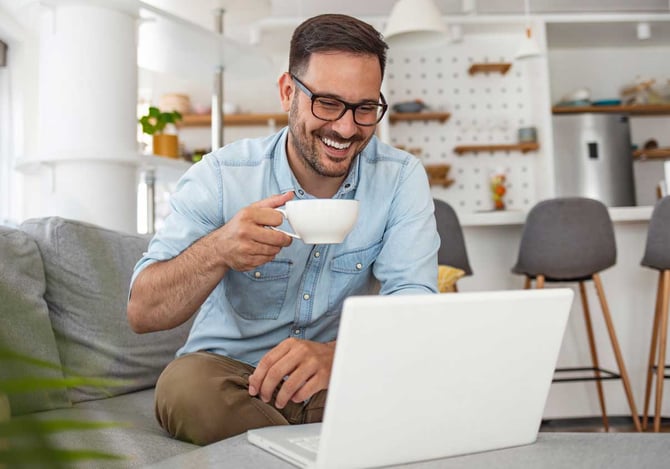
point(527, 284)
point(594, 354)
point(652, 352)
point(539, 281)
point(617, 352)
point(663, 339)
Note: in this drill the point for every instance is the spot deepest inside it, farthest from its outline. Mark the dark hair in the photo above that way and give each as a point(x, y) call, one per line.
point(334, 33)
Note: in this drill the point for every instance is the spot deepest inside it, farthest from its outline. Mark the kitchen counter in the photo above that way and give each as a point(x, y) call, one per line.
point(492, 240)
point(517, 217)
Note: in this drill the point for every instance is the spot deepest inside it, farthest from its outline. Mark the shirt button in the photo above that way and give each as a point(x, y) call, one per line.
point(347, 186)
point(359, 266)
point(257, 274)
point(317, 254)
point(305, 296)
point(296, 332)
point(301, 192)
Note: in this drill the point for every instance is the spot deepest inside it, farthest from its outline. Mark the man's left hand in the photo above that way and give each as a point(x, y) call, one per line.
point(305, 364)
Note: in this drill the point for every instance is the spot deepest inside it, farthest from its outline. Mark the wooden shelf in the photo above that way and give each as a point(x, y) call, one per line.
point(418, 116)
point(204, 120)
point(633, 109)
point(499, 67)
point(653, 153)
point(438, 175)
point(522, 147)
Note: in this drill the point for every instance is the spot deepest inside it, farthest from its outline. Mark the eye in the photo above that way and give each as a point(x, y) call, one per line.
point(367, 109)
point(328, 103)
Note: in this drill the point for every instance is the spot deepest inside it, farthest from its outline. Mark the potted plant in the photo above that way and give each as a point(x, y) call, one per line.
point(154, 123)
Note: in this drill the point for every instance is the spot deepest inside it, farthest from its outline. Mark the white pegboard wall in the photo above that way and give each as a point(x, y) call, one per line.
point(485, 108)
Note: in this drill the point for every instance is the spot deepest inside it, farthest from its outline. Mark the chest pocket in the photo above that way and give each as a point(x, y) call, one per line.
point(259, 293)
point(351, 273)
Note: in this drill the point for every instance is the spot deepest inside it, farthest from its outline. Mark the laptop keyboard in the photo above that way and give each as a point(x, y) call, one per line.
point(310, 443)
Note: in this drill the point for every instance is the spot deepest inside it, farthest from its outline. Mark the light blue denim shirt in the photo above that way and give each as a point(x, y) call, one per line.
point(300, 293)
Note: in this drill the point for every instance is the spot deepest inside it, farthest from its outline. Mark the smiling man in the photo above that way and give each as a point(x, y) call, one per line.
point(267, 307)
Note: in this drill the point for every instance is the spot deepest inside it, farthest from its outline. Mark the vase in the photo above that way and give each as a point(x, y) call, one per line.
point(166, 145)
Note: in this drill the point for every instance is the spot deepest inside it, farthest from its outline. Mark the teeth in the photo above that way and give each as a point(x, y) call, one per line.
point(334, 144)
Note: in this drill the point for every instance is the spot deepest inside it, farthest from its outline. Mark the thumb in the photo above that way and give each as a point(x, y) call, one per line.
point(274, 201)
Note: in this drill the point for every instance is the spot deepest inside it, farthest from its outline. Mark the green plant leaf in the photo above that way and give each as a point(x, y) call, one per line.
point(154, 121)
point(28, 384)
point(28, 438)
point(6, 354)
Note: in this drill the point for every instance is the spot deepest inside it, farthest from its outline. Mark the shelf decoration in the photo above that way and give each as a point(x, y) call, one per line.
point(489, 67)
point(438, 175)
point(498, 190)
point(522, 147)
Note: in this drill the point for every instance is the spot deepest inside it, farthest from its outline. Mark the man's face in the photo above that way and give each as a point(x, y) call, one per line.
point(328, 148)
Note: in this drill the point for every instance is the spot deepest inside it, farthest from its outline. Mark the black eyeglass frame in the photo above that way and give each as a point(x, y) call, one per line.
point(313, 97)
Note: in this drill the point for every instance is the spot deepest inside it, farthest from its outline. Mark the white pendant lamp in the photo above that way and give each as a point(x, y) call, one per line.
point(415, 23)
point(529, 46)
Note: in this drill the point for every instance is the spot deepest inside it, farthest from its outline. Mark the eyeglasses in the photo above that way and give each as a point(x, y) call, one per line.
point(330, 109)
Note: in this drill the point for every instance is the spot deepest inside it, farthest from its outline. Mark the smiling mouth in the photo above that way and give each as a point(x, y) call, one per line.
point(335, 145)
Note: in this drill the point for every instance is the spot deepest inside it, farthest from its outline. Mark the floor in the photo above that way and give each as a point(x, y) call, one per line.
point(595, 424)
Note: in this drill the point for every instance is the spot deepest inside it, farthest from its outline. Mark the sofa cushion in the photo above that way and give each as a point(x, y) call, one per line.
point(25, 328)
point(88, 272)
point(137, 437)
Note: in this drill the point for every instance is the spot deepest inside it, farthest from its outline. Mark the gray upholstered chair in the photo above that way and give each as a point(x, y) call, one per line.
point(572, 240)
point(452, 250)
point(657, 256)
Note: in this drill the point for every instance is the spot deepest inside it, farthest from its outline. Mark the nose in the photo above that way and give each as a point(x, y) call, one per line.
point(345, 125)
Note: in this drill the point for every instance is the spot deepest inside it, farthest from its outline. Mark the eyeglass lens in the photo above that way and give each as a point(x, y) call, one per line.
point(333, 109)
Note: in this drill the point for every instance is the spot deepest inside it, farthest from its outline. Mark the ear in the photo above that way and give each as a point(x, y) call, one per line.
point(286, 91)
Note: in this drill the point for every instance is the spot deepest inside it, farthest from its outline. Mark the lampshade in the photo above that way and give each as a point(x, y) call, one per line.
point(529, 46)
point(415, 23)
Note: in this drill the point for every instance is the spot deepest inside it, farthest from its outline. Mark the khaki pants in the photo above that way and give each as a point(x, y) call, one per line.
point(203, 397)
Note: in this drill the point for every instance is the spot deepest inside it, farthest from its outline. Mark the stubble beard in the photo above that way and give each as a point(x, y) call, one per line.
point(307, 149)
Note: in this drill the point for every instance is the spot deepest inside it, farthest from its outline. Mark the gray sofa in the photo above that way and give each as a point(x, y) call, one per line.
point(63, 293)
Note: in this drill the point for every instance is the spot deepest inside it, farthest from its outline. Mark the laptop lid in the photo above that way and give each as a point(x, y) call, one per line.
point(419, 377)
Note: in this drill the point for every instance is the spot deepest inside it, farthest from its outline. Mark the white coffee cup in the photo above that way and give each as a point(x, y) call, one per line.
point(320, 221)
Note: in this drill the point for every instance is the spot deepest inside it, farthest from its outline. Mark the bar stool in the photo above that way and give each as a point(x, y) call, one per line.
point(571, 239)
point(657, 256)
point(452, 251)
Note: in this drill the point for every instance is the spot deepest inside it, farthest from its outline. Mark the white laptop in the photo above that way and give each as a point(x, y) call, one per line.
point(420, 377)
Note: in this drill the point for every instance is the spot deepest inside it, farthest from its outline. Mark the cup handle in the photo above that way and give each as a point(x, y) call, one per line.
point(283, 212)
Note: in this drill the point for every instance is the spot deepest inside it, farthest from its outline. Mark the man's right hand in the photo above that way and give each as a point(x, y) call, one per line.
point(245, 242)
point(167, 293)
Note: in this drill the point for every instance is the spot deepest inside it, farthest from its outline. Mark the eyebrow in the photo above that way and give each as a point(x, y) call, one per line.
point(331, 95)
point(335, 96)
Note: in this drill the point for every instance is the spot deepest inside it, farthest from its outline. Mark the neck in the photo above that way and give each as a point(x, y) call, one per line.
point(323, 187)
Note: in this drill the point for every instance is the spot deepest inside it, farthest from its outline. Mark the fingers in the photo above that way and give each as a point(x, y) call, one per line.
point(302, 384)
point(263, 381)
point(245, 240)
point(274, 201)
point(301, 367)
